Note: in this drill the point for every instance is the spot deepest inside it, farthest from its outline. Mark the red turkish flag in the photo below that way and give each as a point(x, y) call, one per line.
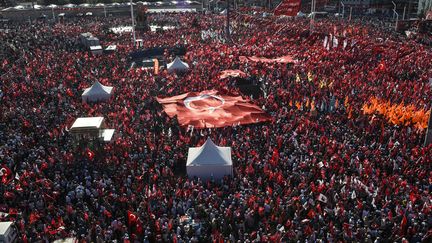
point(132, 218)
point(232, 73)
point(283, 59)
point(33, 217)
point(288, 8)
point(5, 174)
point(209, 109)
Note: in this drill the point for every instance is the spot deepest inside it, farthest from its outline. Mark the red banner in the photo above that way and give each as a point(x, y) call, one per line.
point(232, 73)
point(288, 8)
point(209, 109)
point(284, 59)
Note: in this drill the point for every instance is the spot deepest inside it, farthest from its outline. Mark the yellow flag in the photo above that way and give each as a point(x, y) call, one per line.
point(309, 76)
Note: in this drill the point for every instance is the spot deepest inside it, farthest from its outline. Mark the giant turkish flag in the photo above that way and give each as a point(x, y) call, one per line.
point(284, 59)
point(288, 8)
point(210, 109)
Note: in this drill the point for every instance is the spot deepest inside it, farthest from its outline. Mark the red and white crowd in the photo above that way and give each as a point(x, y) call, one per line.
point(331, 175)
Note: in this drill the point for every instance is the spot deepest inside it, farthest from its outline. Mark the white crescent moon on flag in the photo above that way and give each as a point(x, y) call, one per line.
point(188, 100)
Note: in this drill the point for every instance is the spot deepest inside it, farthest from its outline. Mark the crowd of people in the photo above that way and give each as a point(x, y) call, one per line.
point(321, 171)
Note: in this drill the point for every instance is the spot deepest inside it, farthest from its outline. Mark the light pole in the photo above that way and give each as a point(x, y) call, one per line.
point(105, 11)
point(403, 16)
point(52, 10)
point(350, 13)
point(133, 23)
point(397, 18)
point(343, 9)
point(312, 15)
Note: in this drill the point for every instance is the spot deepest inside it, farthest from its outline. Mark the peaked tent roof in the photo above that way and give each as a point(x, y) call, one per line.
point(209, 154)
point(97, 88)
point(177, 64)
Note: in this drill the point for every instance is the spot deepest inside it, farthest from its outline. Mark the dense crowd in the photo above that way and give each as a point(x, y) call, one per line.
point(321, 171)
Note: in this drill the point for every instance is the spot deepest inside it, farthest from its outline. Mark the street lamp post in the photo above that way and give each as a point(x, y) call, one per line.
point(397, 18)
point(52, 10)
point(312, 15)
point(133, 23)
point(343, 9)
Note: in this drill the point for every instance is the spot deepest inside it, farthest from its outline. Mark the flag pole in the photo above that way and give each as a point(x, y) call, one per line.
point(133, 23)
point(312, 15)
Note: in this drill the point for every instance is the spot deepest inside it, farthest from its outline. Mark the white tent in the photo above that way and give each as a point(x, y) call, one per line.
point(97, 92)
point(8, 233)
point(92, 127)
point(67, 240)
point(87, 123)
point(209, 161)
point(70, 5)
point(177, 65)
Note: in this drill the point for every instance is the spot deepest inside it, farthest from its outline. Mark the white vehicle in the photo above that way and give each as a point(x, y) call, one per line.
point(8, 232)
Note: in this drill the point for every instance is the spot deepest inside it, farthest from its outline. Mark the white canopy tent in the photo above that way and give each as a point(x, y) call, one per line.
point(92, 127)
point(89, 123)
point(8, 232)
point(177, 65)
point(70, 5)
point(209, 161)
point(97, 92)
